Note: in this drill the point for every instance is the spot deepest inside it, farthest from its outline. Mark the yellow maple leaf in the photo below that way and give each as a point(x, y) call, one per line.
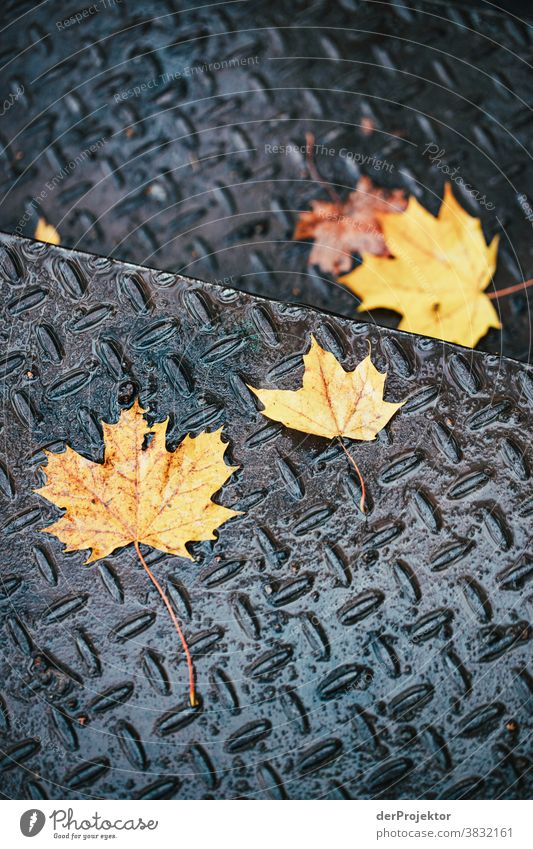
point(437, 276)
point(332, 402)
point(45, 232)
point(141, 492)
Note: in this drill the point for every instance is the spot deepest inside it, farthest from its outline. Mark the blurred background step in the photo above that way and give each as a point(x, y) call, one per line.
point(152, 134)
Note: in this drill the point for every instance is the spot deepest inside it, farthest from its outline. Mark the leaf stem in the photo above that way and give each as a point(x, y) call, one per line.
point(360, 476)
point(500, 293)
point(192, 689)
point(314, 172)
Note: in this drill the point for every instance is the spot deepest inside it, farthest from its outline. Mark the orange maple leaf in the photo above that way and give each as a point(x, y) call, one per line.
point(141, 493)
point(437, 276)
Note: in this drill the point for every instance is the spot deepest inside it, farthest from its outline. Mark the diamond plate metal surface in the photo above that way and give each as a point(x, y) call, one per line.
point(179, 176)
point(338, 655)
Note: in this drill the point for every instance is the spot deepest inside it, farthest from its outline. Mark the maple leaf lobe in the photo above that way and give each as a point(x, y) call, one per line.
point(45, 232)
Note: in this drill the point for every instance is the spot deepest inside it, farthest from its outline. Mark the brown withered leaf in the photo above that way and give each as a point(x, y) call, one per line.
point(141, 493)
point(352, 226)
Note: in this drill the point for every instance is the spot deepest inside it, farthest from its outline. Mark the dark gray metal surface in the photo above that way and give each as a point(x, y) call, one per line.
point(180, 175)
point(337, 655)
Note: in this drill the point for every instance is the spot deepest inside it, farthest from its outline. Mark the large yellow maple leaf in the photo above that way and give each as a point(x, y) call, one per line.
point(141, 493)
point(437, 276)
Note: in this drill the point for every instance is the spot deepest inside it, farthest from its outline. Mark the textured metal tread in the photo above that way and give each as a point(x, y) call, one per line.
point(337, 655)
